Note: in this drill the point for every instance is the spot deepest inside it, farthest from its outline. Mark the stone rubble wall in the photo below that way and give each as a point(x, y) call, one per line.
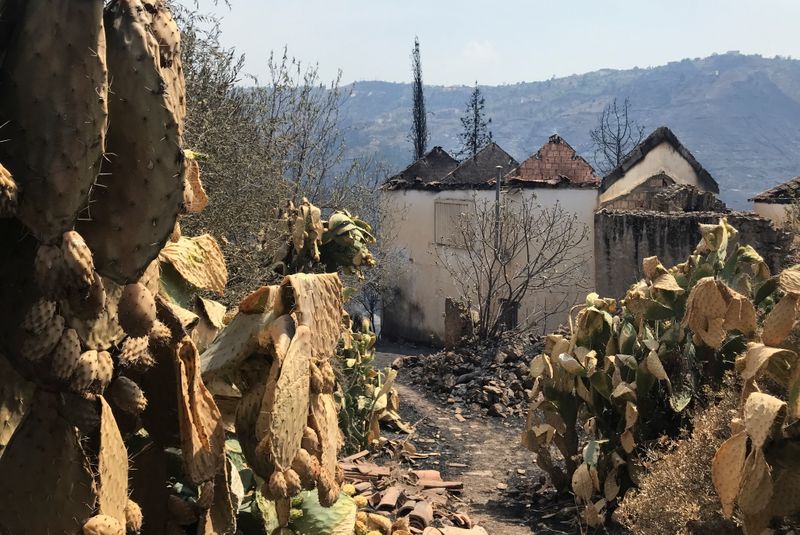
point(623, 238)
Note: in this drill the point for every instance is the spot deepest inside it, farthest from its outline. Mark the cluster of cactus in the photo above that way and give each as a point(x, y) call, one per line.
point(758, 468)
point(366, 396)
point(627, 372)
point(93, 178)
point(277, 352)
point(101, 304)
point(340, 242)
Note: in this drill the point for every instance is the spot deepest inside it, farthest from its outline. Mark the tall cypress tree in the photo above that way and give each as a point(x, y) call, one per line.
point(476, 133)
point(419, 126)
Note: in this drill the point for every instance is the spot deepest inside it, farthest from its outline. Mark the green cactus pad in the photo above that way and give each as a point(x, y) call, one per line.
point(53, 99)
point(45, 453)
point(134, 212)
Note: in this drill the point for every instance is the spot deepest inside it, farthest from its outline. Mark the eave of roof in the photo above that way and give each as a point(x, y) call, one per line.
point(785, 193)
point(659, 135)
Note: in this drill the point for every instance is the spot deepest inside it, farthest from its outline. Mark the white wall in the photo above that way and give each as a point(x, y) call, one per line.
point(423, 288)
point(662, 159)
point(774, 212)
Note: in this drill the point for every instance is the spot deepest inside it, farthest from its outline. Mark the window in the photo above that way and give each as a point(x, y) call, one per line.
point(447, 215)
point(509, 314)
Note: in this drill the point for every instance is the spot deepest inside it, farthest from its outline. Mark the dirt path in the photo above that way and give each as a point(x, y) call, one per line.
point(483, 452)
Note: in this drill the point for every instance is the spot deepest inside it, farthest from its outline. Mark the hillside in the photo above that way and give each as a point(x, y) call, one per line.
point(738, 114)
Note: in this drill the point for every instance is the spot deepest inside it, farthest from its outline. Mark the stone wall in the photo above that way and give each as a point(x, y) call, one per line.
point(624, 238)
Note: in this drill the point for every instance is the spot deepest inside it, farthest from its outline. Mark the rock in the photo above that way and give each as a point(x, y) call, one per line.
point(497, 409)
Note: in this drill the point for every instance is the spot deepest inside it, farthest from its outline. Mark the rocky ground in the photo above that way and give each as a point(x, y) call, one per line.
point(503, 490)
point(490, 378)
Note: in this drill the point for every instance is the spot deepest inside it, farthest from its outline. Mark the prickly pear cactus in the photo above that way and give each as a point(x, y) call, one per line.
point(135, 210)
point(53, 100)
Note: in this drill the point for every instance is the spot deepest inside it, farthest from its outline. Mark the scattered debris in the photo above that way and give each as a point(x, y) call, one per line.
point(489, 377)
point(413, 501)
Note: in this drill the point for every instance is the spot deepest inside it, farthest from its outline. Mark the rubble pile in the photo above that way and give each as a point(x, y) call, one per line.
point(487, 376)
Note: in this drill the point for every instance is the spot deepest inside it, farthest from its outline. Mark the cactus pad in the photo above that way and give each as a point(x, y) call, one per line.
point(760, 414)
point(778, 323)
point(317, 301)
point(103, 525)
point(44, 452)
point(112, 467)
point(290, 406)
point(202, 435)
point(39, 315)
point(327, 488)
point(199, 261)
point(56, 110)
point(325, 422)
point(194, 196)
point(66, 355)
point(726, 470)
point(165, 30)
point(34, 346)
point(78, 265)
point(127, 395)
point(137, 309)
point(756, 490)
point(134, 212)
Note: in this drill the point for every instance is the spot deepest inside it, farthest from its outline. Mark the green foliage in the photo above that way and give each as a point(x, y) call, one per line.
point(311, 244)
point(363, 392)
point(627, 374)
point(311, 518)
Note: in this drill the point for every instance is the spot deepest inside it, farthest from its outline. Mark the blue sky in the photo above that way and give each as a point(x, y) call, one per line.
point(502, 41)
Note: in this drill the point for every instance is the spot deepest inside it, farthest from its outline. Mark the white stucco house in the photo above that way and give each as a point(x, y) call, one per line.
point(426, 203)
point(774, 202)
point(659, 161)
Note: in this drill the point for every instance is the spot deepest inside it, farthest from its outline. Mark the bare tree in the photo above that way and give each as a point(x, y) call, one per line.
point(475, 134)
point(260, 144)
point(535, 250)
point(615, 136)
point(419, 125)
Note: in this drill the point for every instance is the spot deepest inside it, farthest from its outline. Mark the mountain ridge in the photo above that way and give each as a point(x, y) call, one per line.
point(738, 114)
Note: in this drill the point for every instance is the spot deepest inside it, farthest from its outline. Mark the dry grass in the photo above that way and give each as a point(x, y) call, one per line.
point(677, 495)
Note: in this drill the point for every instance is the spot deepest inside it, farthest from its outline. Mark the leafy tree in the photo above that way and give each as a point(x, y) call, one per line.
point(615, 136)
point(476, 133)
point(419, 126)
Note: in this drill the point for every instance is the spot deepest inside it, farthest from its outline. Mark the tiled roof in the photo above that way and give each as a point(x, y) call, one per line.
point(655, 139)
point(785, 193)
point(430, 168)
point(482, 167)
point(556, 163)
